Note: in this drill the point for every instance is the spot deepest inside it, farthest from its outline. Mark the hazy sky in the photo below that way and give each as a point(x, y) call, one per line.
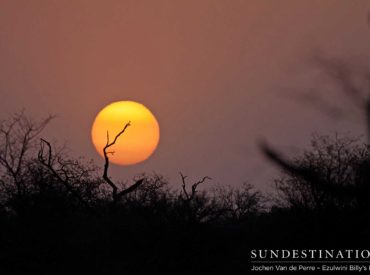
point(218, 75)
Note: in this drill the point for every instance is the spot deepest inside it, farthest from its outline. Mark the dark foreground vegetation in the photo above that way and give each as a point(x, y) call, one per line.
point(61, 215)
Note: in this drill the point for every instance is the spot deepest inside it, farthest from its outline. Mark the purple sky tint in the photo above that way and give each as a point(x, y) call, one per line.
point(218, 75)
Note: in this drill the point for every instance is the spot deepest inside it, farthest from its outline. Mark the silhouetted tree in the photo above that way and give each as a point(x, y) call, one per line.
point(195, 206)
point(116, 194)
point(17, 141)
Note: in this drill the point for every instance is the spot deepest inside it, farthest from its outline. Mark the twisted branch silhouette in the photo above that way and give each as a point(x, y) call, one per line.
point(117, 195)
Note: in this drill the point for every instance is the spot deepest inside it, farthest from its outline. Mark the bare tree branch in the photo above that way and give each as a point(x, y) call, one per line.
point(344, 75)
point(16, 138)
point(194, 186)
point(47, 162)
point(183, 178)
point(116, 195)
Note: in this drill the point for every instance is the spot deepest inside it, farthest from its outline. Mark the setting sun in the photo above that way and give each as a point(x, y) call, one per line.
point(137, 143)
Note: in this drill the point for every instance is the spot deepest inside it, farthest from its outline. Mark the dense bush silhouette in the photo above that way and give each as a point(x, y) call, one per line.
point(56, 209)
point(60, 215)
point(333, 174)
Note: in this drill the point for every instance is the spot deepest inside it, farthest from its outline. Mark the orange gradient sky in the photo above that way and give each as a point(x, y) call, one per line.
point(217, 74)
